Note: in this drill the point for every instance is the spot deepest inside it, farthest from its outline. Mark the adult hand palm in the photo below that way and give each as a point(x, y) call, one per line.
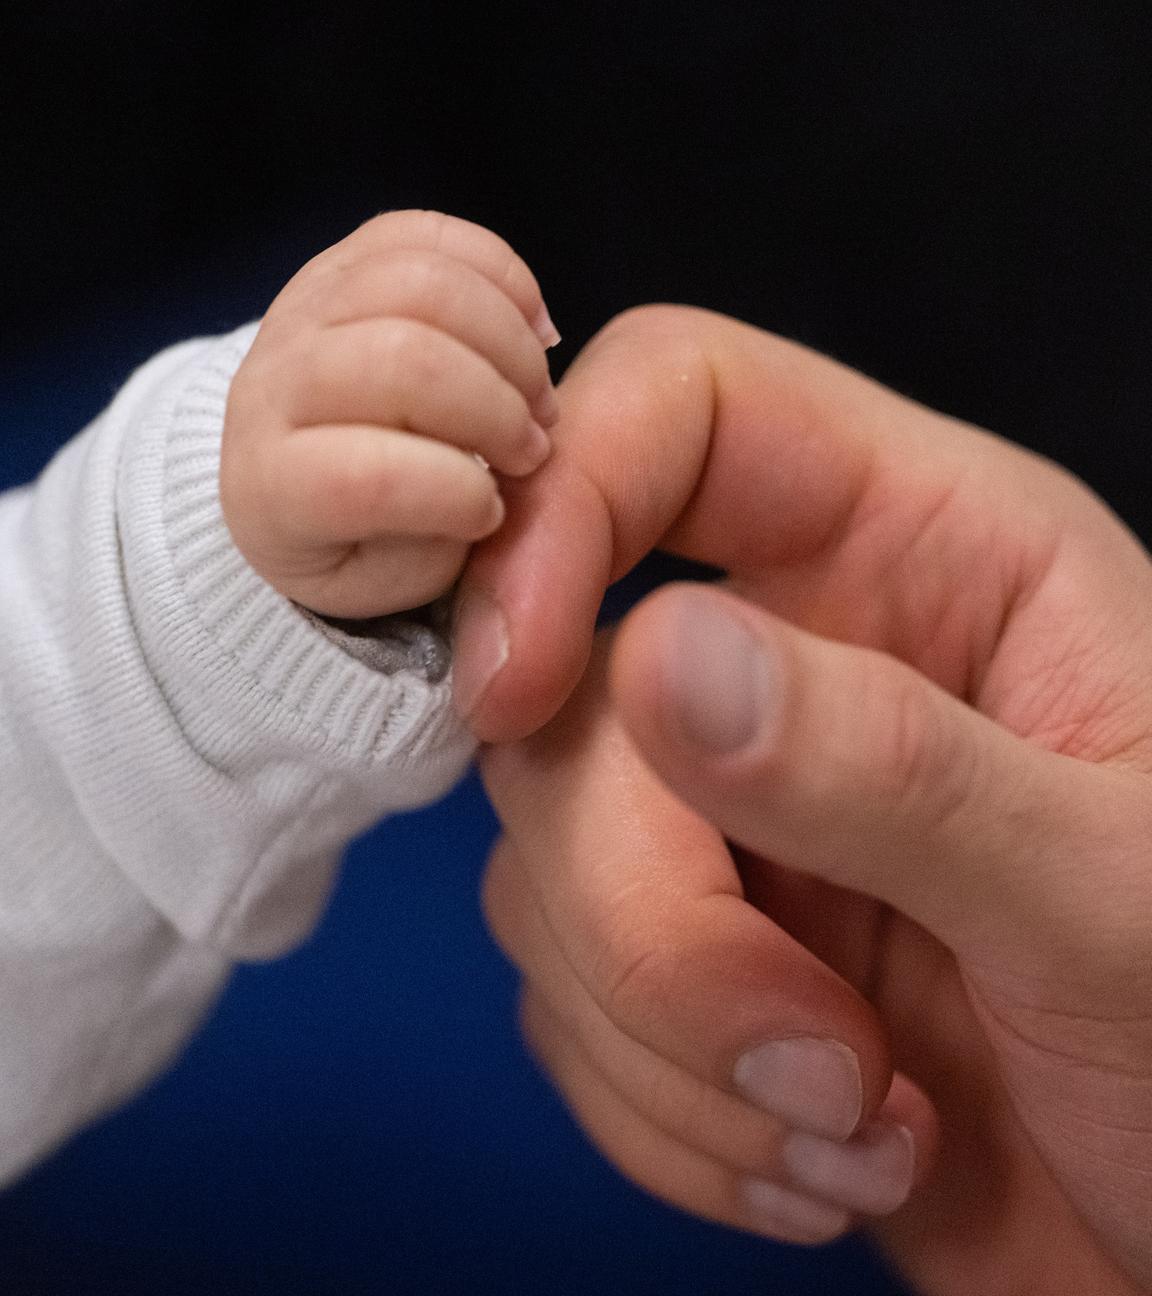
point(1047, 640)
point(1026, 1069)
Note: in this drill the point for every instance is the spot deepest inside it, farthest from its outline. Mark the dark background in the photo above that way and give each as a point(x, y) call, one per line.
point(953, 197)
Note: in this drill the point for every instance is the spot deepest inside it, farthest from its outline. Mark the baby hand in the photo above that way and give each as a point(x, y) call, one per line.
point(349, 475)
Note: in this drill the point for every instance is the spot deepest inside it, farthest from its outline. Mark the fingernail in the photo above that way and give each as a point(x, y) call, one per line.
point(479, 648)
point(790, 1216)
point(809, 1084)
point(544, 329)
point(495, 517)
point(538, 447)
point(547, 406)
point(719, 677)
point(872, 1172)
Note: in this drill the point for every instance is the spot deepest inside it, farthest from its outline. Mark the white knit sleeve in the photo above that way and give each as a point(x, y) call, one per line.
point(183, 755)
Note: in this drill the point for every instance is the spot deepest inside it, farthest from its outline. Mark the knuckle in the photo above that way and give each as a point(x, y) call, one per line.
point(434, 226)
point(653, 317)
point(404, 279)
point(672, 350)
point(435, 231)
point(375, 226)
point(425, 227)
point(399, 354)
point(427, 279)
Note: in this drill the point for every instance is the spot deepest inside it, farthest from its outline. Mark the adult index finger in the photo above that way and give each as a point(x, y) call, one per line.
point(686, 429)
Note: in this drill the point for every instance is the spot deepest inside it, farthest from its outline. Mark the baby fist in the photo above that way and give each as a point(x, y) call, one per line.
point(385, 378)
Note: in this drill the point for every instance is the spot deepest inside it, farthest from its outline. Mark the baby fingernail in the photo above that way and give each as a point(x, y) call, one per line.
point(544, 329)
point(495, 517)
point(871, 1173)
point(479, 648)
point(539, 446)
point(719, 677)
point(790, 1216)
point(809, 1084)
point(547, 406)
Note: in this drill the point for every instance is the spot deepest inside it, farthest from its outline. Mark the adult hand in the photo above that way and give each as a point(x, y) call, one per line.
point(922, 981)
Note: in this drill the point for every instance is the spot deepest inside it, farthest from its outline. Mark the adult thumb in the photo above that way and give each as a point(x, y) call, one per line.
point(848, 765)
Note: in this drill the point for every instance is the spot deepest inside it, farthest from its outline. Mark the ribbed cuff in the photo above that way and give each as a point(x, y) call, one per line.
point(390, 703)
